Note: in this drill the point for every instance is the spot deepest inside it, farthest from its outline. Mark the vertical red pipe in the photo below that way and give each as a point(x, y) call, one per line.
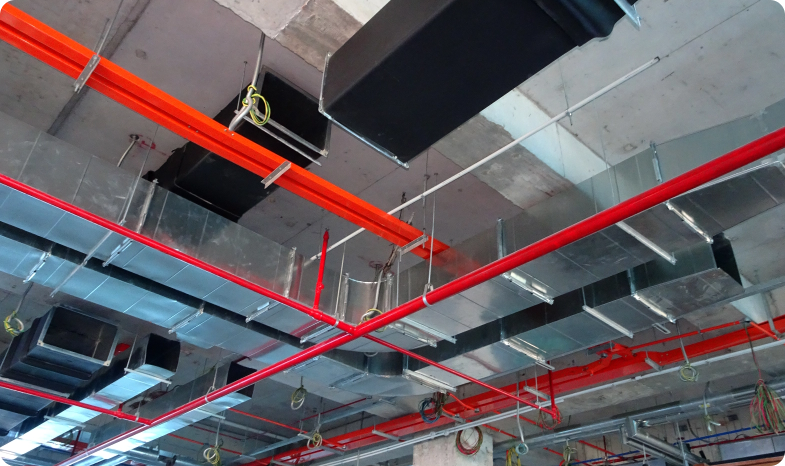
point(320, 281)
point(554, 409)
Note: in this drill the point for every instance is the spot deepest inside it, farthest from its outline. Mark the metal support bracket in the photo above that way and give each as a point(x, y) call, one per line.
point(386, 435)
point(187, 320)
point(428, 381)
point(319, 332)
point(656, 161)
point(430, 331)
point(259, 311)
point(522, 283)
point(689, 222)
point(536, 392)
point(647, 242)
point(149, 376)
point(117, 251)
point(37, 267)
point(410, 247)
point(86, 73)
point(631, 12)
point(605, 320)
point(277, 173)
point(333, 450)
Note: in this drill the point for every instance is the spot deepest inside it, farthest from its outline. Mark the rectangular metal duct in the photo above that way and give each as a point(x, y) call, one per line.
point(419, 69)
point(61, 350)
point(178, 396)
point(152, 360)
point(296, 131)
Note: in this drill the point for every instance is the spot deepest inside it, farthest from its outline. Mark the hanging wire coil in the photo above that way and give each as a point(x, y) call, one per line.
point(687, 373)
point(259, 120)
point(13, 325)
point(766, 408)
point(370, 314)
point(315, 441)
point(212, 455)
point(567, 454)
point(469, 450)
point(298, 397)
point(436, 403)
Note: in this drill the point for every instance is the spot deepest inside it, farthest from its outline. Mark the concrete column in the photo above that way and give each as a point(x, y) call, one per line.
point(441, 451)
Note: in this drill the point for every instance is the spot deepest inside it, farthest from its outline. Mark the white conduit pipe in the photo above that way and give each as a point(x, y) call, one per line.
point(509, 414)
point(509, 146)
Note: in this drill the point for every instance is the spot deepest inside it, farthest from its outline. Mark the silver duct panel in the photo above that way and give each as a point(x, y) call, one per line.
point(153, 360)
point(179, 396)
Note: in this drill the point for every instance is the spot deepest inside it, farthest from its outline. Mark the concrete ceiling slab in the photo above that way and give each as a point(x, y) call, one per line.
point(271, 16)
point(719, 62)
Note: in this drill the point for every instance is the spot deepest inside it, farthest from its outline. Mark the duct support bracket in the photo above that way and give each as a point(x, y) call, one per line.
point(607, 321)
point(689, 222)
point(386, 435)
point(631, 12)
point(647, 242)
point(277, 173)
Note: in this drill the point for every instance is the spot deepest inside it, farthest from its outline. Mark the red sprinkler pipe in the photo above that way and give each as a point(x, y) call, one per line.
point(688, 181)
point(320, 281)
point(141, 239)
point(78, 404)
point(765, 330)
point(456, 373)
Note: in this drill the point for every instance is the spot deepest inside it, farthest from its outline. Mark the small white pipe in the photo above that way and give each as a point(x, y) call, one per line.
point(509, 146)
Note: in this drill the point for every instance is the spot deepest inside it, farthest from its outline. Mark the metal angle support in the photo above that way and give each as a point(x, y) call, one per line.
point(521, 282)
point(689, 222)
point(386, 435)
point(605, 320)
point(187, 320)
point(86, 73)
point(259, 311)
point(277, 173)
point(653, 308)
point(647, 242)
point(409, 247)
point(428, 381)
point(428, 330)
point(41, 262)
point(536, 392)
point(117, 251)
point(529, 353)
point(631, 12)
point(318, 332)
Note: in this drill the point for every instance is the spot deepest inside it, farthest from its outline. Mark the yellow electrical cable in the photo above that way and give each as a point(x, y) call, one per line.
point(13, 331)
point(212, 455)
point(315, 441)
point(259, 121)
point(298, 397)
point(370, 314)
point(687, 373)
point(513, 458)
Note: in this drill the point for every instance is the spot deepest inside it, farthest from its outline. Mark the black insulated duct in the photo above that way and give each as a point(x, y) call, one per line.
point(421, 68)
point(296, 131)
point(61, 351)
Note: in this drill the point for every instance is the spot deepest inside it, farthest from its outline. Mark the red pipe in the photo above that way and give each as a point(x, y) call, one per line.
point(765, 330)
point(456, 373)
point(685, 335)
point(320, 281)
point(141, 239)
point(690, 180)
point(66, 401)
point(565, 380)
point(265, 420)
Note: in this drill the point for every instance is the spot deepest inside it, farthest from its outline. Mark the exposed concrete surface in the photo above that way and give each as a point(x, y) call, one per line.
point(271, 16)
point(321, 27)
point(518, 175)
point(441, 451)
point(361, 10)
point(719, 58)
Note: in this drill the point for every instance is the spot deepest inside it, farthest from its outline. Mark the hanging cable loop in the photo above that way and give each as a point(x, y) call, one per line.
point(469, 450)
point(298, 397)
point(687, 373)
point(370, 314)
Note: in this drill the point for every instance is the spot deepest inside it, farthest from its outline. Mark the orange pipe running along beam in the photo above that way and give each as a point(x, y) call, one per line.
point(68, 56)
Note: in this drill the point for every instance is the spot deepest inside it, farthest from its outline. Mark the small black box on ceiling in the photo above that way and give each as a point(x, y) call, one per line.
point(421, 68)
point(296, 131)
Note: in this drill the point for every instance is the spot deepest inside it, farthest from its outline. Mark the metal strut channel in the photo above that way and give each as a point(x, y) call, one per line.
point(68, 56)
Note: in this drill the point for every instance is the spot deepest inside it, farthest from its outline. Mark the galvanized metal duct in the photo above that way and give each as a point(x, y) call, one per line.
point(61, 352)
point(178, 396)
point(153, 360)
